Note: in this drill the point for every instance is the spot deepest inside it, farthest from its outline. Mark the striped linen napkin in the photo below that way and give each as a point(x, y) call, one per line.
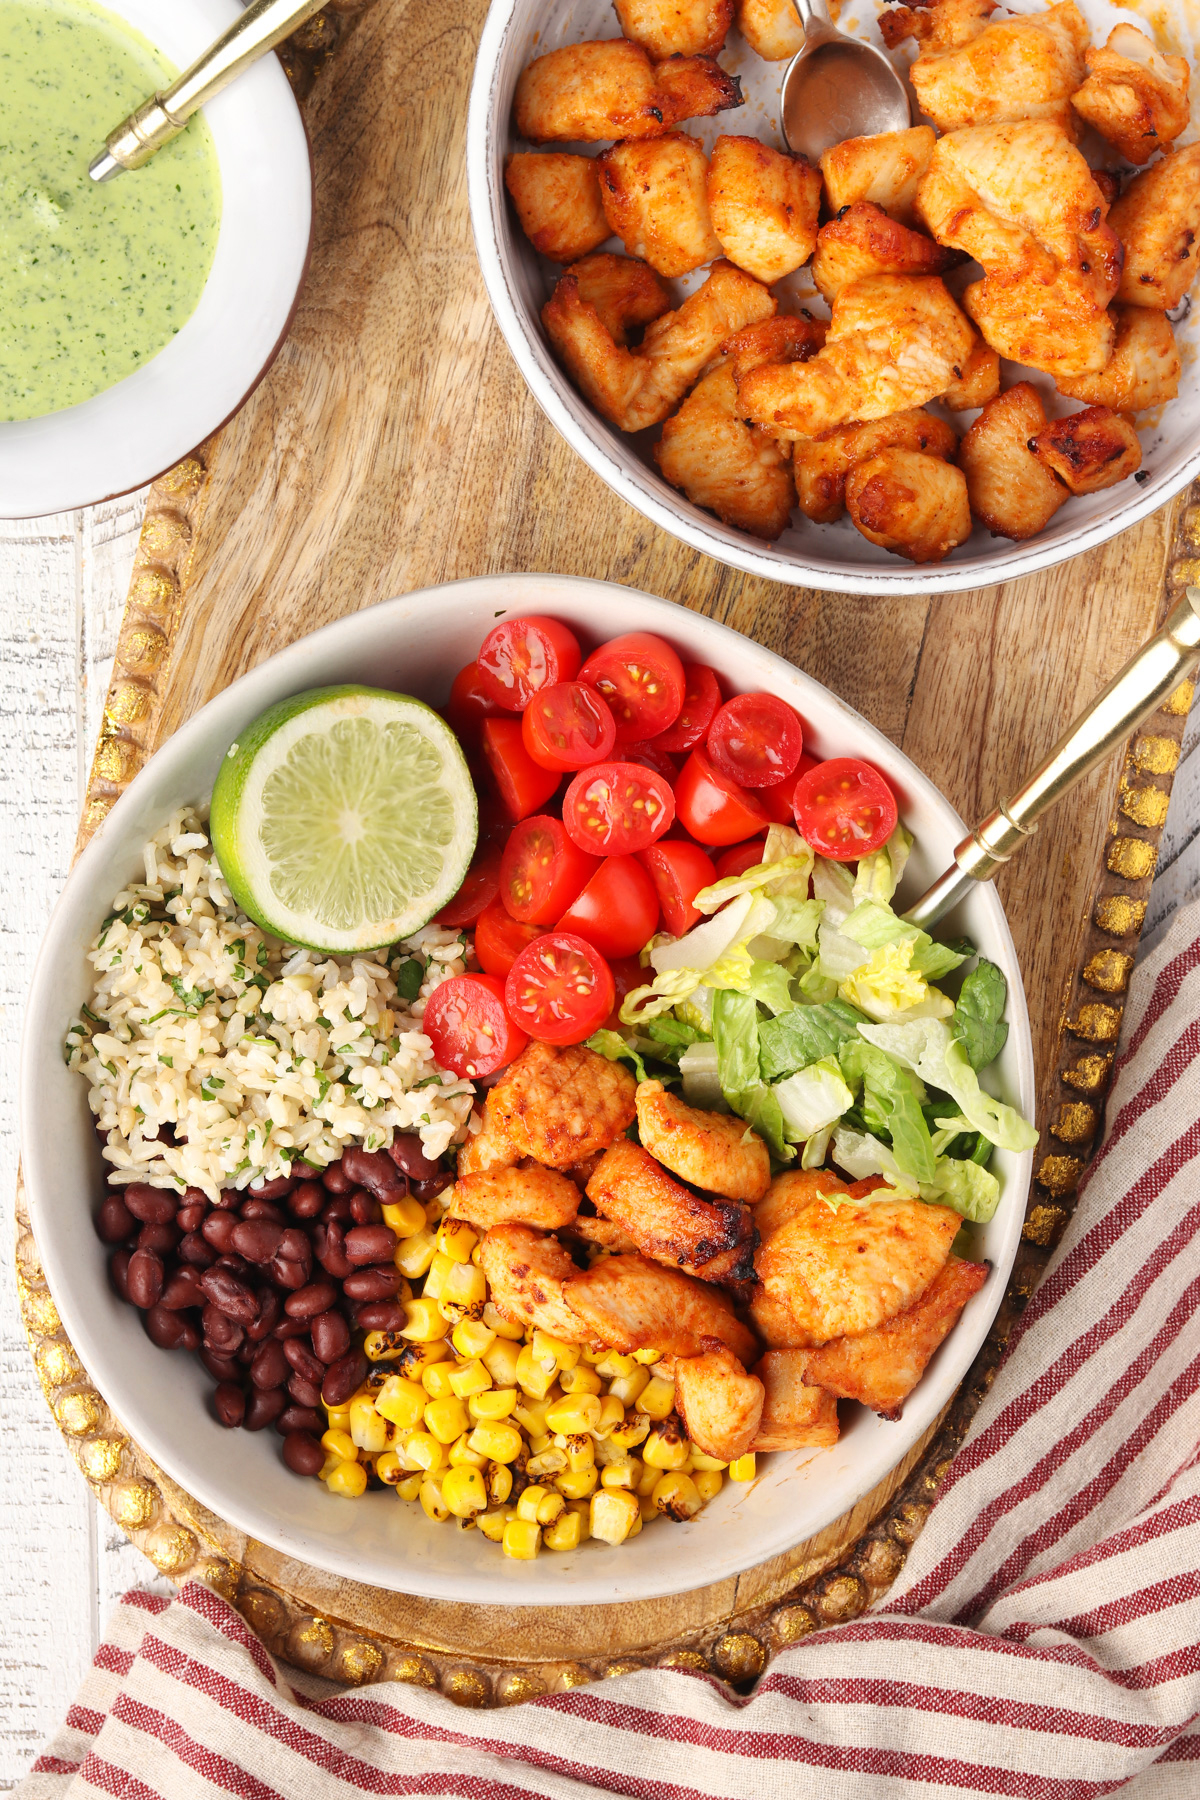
point(1044, 1641)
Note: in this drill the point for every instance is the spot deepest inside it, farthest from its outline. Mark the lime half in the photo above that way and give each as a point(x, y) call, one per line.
point(344, 818)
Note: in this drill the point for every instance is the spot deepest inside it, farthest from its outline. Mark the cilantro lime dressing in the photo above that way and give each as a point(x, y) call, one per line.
point(94, 278)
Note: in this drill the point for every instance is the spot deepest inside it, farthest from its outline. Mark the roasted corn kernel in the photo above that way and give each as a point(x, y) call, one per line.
point(456, 1239)
point(533, 1377)
point(647, 1356)
point(677, 1496)
point(436, 1380)
point(613, 1515)
point(493, 1403)
point(709, 1483)
point(340, 1444)
point(425, 1452)
point(540, 1503)
point(471, 1337)
point(349, 1479)
point(577, 1484)
point(657, 1398)
point(464, 1491)
point(633, 1429)
point(422, 1320)
point(743, 1468)
point(384, 1346)
point(500, 1361)
point(566, 1533)
point(503, 1328)
point(338, 1417)
point(447, 1419)
point(469, 1378)
point(614, 1363)
point(499, 1482)
point(433, 1503)
point(406, 1217)
point(409, 1486)
point(368, 1428)
point(580, 1449)
point(612, 1414)
point(522, 1539)
point(498, 1441)
point(531, 1414)
point(492, 1524)
point(574, 1412)
point(389, 1468)
point(464, 1288)
point(461, 1452)
point(413, 1255)
point(580, 1380)
point(628, 1389)
point(666, 1448)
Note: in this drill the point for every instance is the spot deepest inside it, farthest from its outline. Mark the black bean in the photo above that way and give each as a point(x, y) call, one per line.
point(223, 1335)
point(150, 1205)
point(306, 1200)
point(381, 1315)
point(196, 1250)
point(145, 1278)
point(373, 1284)
point(182, 1288)
point(170, 1330)
point(292, 1262)
point(221, 1368)
point(229, 1404)
point(256, 1239)
point(407, 1154)
point(162, 1238)
point(118, 1274)
point(302, 1360)
point(364, 1208)
point(270, 1366)
point(315, 1297)
point(341, 1208)
point(254, 1208)
point(299, 1418)
point(273, 1189)
point(331, 1251)
point(114, 1221)
point(192, 1215)
point(330, 1336)
point(343, 1378)
point(232, 1295)
point(218, 1229)
point(304, 1393)
point(373, 1170)
point(425, 1191)
point(289, 1328)
point(270, 1311)
point(336, 1179)
point(263, 1408)
point(370, 1244)
point(303, 1453)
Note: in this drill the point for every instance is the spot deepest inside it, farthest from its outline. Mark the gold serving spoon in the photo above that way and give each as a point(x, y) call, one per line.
point(163, 116)
point(1132, 694)
point(837, 87)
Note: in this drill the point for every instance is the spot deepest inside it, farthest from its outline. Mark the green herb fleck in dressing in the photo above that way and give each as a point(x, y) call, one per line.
point(94, 278)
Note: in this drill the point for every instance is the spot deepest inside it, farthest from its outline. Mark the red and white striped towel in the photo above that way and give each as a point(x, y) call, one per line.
point(1044, 1641)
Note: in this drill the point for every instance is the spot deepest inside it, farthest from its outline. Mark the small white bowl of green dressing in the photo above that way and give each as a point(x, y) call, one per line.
point(138, 314)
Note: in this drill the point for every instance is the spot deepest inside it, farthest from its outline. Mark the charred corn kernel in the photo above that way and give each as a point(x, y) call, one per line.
point(583, 1512)
point(613, 1515)
point(461, 1452)
point(541, 1504)
point(435, 1380)
point(657, 1398)
point(581, 1451)
point(340, 1444)
point(384, 1346)
point(469, 1378)
point(498, 1480)
point(533, 1376)
point(435, 1279)
point(418, 1357)
point(647, 1356)
point(531, 1414)
point(435, 1209)
point(464, 1491)
point(701, 1461)
point(409, 1486)
point(433, 1503)
point(666, 1448)
point(447, 1419)
point(456, 1239)
point(550, 1507)
point(743, 1468)
point(580, 1380)
point(709, 1483)
point(647, 1481)
point(612, 1414)
point(633, 1429)
point(492, 1525)
point(646, 1507)
point(338, 1416)
point(592, 1353)
point(677, 1496)
point(551, 1461)
point(522, 1539)
point(368, 1428)
point(413, 1255)
point(406, 1217)
point(389, 1468)
point(471, 1337)
point(614, 1363)
point(628, 1389)
point(349, 1479)
point(500, 1361)
point(566, 1533)
point(493, 1403)
point(577, 1484)
point(575, 1412)
point(623, 1474)
point(503, 1328)
point(539, 1443)
point(552, 1349)
point(465, 1285)
point(498, 1441)
point(422, 1320)
point(424, 1451)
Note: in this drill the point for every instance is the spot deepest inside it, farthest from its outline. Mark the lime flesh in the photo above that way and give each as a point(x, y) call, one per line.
point(344, 818)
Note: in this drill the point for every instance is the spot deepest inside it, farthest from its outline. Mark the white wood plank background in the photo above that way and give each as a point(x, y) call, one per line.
point(62, 586)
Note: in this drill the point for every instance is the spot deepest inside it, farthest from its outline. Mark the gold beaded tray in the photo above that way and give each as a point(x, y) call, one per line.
point(392, 446)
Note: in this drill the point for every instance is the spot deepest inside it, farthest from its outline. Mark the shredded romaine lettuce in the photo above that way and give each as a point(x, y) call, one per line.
point(928, 1048)
point(978, 1021)
point(833, 883)
point(701, 1080)
point(873, 924)
point(805, 1035)
point(878, 875)
point(892, 1098)
point(813, 1098)
point(785, 869)
point(887, 987)
point(617, 1049)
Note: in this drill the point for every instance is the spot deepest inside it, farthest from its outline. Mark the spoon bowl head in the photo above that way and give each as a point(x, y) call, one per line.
point(837, 88)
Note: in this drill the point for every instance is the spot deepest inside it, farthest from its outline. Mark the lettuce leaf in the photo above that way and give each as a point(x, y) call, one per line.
point(833, 883)
point(701, 1079)
point(966, 1189)
point(735, 1034)
point(861, 1155)
point(891, 1102)
point(813, 1098)
point(878, 875)
point(873, 924)
point(816, 1148)
point(760, 1108)
point(887, 987)
point(805, 1035)
point(928, 1048)
point(784, 870)
point(612, 1045)
point(978, 1021)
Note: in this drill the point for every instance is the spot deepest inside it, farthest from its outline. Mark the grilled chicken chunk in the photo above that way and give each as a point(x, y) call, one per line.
point(1157, 219)
point(821, 465)
point(1089, 450)
point(525, 1195)
point(1143, 370)
point(635, 1304)
point(655, 199)
point(489, 1148)
point(790, 1193)
point(559, 1106)
point(583, 93)
point(771, 27)
point(738, 471)
point(527, 1273)
point(712, 1239)
point(1024, 68)
point(909, 503)
point(714, 1151)
point(884, 168)
point(557, 198)
point(863, 240)
point(979, 381)
point(764, 205)
point(794, 1416)
point(675, 27)
point(625, 295)
point(1011, 490)
point(1135, 96)
point(720, 1404)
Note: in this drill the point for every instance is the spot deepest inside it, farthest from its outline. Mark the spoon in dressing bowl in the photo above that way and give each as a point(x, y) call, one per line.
point(837, 87)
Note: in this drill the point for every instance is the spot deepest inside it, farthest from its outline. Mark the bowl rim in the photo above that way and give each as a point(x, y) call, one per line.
point(699, 530)
point(72, 1287)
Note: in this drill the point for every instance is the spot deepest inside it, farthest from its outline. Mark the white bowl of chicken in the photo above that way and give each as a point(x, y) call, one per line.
point(559, 1109)
point(850, 405)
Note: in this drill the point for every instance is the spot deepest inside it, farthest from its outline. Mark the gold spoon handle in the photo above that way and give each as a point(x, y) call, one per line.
point(163, 116)
point(1142, 685)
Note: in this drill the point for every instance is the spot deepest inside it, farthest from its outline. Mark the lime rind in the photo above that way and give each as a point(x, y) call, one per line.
point(344, 818)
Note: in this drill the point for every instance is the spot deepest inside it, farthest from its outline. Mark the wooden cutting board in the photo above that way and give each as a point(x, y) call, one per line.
point(392, 446)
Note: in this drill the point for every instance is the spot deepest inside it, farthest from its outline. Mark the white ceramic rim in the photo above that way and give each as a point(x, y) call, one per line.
point(141, 426)
point(571, 416)
point(756, 1521)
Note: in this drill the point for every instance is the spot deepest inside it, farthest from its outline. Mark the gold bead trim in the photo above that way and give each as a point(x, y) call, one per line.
point(1118, 915)
point(1108, 971)
point(1074, 1122)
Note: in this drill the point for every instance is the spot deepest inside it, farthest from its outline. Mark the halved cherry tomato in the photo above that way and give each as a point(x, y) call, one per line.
point(844, 809)
point(468, 706)
point(642, 679)
point(617, 910)
point(755, 740)
point(701, 698)
point(568, 726)
point(678, 870)
point(500, 939)
point(480, 886)
point(616, 808)
point(714, 809)
point(652, 757)
point(522, 786)
point(466, 1022)
point(740, 858)
point(560, 989)
point(542, 871)
point(627, 974)
point(777, 799)
point(521, 656)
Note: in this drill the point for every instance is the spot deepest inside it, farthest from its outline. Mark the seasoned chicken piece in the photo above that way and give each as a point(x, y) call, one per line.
point(625, 295)
point(581, 1172)
point(837, 1271)
point(771, 27)
point(557, 198)
point(1089, 450)
point(1157, 219)
point(979, 381)
point(882, 1367)
point(712, 1239)
point(637, 388)
point(586, 92)
point(764, 205)
point(894, 342)
point(561, 1105)
point(720, 1404)
point(785, 338)
point(490, 1148)
point(656, 202)
point(526, 1195)
point(1024, 68)
point(635, 1304)
point(1135, 96)
point(675, 27)
point(912, 504)
point(794, 1416)
point(738, 471)
point(821, 465)
point(883, 168)
point(789, 1193)
point(863, 240)
point(1022, 201)
point(1010, 491)
point(937, 25)
point(588, 1231)
point(714, 1151)
point(527, 1273)
point(1144, 368)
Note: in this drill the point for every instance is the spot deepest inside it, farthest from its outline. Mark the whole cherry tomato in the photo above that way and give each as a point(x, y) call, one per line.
point(701, 698)
point(468, 706)
point(520, 656)
point(522, 786)
point(542, 871)
point(560, 989)
point(568, 726)
point(500, 939)
point(755, 740)
point(615, 808)
point(627, 974)
point(844, 809)
point(740, 858)
point(617, 910)
point(480, 886)
point(469, 1028)
point(713, 809)
point(641, 677)
point(678, 870)
point(777, 799)
point(652, 756)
